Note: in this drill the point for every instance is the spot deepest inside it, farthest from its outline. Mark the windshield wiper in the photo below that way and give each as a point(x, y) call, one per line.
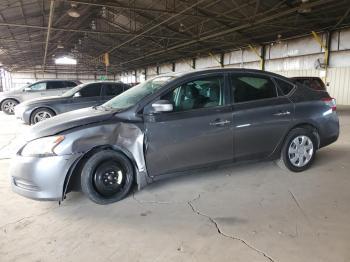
point(102, 107)
point(107, 108)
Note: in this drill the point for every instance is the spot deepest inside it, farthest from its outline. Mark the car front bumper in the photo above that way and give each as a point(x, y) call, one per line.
point(41, 178)
point(23, 114)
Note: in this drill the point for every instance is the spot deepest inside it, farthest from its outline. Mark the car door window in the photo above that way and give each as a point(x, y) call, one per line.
point(126, 87)
point(200, 93)
point(54, 85)
point(284, 86)
point(70, 84)
point(91, 90)
point(248, 87)
point(113, 89)
point(38, 87)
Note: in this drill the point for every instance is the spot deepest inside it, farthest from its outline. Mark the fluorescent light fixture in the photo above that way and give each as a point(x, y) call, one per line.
point(73, 12)
point(65, 61)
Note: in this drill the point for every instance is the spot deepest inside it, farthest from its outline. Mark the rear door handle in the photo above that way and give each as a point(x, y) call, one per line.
point(220, 122)
point(282, 113)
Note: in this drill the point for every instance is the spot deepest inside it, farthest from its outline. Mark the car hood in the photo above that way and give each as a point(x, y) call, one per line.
point(11, 92)
point(40, 100)
point(67, 121)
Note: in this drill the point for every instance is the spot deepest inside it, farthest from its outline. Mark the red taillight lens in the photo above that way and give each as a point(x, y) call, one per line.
point(330, 102)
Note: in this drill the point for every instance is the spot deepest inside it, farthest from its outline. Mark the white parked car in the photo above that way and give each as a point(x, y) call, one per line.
point(9, 99)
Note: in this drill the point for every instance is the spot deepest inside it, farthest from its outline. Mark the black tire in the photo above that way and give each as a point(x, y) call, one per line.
point(296, 135)
point(8, 105)
point(99, 183)
point(34, 117)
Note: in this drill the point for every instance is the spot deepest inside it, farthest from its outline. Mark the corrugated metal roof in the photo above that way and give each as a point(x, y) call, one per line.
point(139, 33)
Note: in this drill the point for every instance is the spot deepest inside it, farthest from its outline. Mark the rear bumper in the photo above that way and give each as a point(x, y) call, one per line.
point(41, 178)
point(328, 140)
point(329, 130)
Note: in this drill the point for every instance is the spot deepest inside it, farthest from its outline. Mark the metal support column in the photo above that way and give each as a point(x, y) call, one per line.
point(260, 54)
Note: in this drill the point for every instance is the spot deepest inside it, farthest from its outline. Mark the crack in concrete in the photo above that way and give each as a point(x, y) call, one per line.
point(219, 230)
point(299, 206)
point(2, 227)
point(8, 143)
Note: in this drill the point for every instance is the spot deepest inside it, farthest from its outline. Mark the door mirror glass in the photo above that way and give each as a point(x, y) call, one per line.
point(162, 106)
point(77, 94)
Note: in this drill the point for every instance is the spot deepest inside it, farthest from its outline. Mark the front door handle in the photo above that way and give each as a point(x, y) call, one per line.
point(282, 113)
point(219, 122)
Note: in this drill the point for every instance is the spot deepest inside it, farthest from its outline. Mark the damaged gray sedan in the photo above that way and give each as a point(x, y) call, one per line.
point(172, 124)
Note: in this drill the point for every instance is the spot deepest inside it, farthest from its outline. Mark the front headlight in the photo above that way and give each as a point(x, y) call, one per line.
point(42, 146)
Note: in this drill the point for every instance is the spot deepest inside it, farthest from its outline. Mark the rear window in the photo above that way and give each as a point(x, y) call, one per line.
point(313, 83)
point(113, 89)
point(54, 85)
point(70, 84)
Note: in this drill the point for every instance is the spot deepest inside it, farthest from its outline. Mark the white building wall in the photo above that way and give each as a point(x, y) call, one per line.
point(12, 80)
point(243, 58)
point(184, 65)
point(208, 62)
point(339, 84)
point(166, 68)
point(140, 75)
point(128, 77)
point(151, 71)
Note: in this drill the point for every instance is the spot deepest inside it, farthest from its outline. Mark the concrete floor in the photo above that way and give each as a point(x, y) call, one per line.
point(254, 212)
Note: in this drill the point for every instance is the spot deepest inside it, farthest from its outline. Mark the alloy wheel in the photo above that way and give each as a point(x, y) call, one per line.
point(9, 107)
point(300, 151)
point(41, 115)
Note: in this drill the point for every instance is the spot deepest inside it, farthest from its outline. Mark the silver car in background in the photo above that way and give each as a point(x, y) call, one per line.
point(81, 96)
point(9, 99)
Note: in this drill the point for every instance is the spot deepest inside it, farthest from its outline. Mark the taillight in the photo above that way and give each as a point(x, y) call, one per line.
point(330, 102)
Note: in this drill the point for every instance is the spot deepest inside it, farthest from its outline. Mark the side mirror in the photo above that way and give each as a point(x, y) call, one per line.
point(77, 94)
point(27, 89)
point(162, 106)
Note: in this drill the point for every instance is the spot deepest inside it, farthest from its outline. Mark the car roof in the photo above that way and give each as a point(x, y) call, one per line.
point(55, 80)
point(305, 77)
point(105, 82)
point(222, 70)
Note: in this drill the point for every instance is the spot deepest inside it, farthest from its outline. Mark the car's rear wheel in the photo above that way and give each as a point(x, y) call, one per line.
point(107, 177)
point(41, 114)
point(8, 106)
point(299, 149)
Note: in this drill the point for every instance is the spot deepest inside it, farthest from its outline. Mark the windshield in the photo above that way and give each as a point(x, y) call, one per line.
point(22, 87)
point(133, 95)
point(73, 90)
